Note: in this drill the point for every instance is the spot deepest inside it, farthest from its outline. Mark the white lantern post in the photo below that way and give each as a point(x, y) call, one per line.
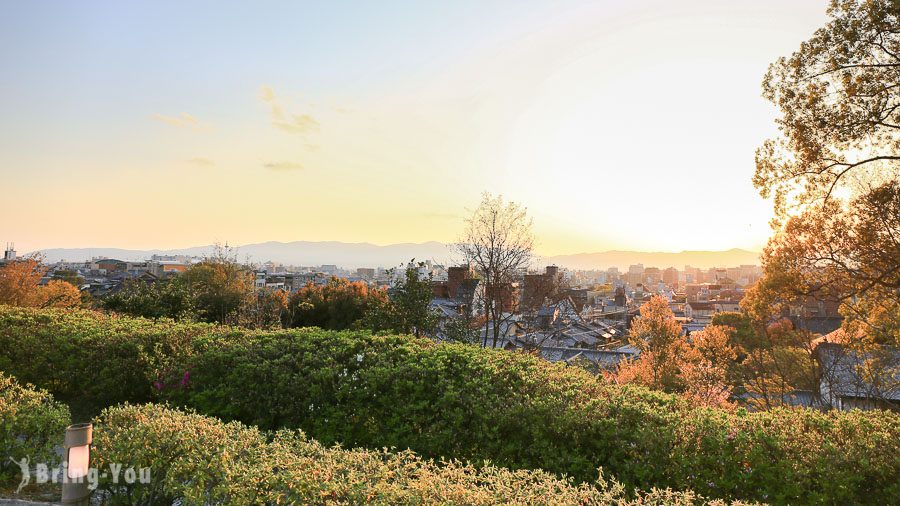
point(75, 487)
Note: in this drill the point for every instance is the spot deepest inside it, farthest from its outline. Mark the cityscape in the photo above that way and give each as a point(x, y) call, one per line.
point(478, 252)
point(565, 315)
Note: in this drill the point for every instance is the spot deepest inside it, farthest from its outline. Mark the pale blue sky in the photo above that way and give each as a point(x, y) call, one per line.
point(627, 125)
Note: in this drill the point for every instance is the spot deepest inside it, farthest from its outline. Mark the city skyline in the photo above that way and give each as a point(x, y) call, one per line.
point(383, 123)
point(305, 253)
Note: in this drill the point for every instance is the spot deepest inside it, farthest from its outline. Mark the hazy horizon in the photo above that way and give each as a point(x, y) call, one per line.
point(388, 255)
point(380, 244)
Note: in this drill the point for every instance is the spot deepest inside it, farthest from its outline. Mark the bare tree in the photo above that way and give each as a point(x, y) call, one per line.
point(497, 242)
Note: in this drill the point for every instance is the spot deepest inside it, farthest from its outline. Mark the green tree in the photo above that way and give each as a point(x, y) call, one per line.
point(221, 287)
point(407, 309)
point(463, 329)
point(411, 296)
point(169, 298)
point(773, 359)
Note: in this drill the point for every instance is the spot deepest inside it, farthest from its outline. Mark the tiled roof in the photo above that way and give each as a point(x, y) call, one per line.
point(840, 373)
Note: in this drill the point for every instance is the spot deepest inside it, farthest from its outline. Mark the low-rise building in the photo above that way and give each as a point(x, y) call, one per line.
point(848, 380)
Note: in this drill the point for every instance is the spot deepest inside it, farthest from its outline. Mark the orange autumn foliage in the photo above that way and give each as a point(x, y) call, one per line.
point(696, 367)
point(20, 286)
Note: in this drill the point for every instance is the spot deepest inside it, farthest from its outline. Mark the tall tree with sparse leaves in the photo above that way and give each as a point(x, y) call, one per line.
point(498, 242)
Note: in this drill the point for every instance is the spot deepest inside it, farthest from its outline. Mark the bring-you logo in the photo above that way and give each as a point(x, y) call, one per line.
point(41, 473)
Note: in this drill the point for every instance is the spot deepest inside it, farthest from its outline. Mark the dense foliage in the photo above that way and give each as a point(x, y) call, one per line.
point(833, 175)
point(772, 359)
point(90, 360)
point(838, 97)
point(407, 309)
point(457, 401)
point(216, 290)
point(167, 298)
point(20, 285)
point(338, 305)
point(222, 289)
point(199, 460)
point(32, 424)
point(696, 367)
point(519, 411)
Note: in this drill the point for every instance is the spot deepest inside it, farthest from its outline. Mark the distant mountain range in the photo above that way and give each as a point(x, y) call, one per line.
point(308, 253)
point(622, 259)
point(352, 255)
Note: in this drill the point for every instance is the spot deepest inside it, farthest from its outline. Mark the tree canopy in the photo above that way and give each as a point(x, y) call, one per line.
point(839, 98)
point(834, 172)
point(337, 305)
point(20, 285)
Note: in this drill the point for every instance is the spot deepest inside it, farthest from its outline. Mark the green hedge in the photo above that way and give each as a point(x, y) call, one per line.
point(457, 401)
point(32, 425)
point(197, 460)
point(520, 411)
point(90, 360)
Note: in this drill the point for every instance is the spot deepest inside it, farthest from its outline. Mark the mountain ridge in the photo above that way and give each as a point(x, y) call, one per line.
point(365, 254)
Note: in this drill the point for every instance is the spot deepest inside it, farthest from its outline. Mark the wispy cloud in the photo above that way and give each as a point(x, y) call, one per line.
point(266, 94)
point(286, 121)
point(201, 162)
point(283, 165)
point(184, 120)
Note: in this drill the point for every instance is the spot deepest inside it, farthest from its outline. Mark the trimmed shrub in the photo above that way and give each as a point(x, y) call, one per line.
point(196, 460)
point(458, 401)
point(32, 424)
point(519, 411)
point(92, 360)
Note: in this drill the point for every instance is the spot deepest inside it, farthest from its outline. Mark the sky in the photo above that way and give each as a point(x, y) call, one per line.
point(624, 125)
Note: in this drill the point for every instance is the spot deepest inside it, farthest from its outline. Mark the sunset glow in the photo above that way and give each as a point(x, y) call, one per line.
point(286, 121)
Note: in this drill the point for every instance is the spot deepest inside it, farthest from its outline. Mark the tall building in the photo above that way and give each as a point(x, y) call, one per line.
point(619, 298)
point(612, 274)
point(455, 277)
point(539, 287)
point(670, 276)
point(652, 275)
point(10, 254)
point(719, 274)
point(505, 294)
point(552, 271)
point(111, 265)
